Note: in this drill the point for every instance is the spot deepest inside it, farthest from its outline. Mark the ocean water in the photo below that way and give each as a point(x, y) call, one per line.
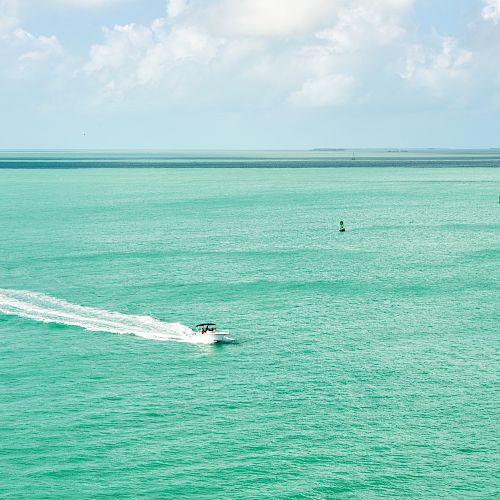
point(366, 363)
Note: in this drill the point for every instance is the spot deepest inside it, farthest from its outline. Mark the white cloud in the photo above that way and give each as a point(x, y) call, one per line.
point(270, 18)
point(338, 56)
point(491, 11)
point(434, 68)
point(35, 48)
point(176, 7)
point(123, 45)
point(8, 15)
point(354, 26)
point(21, 51)
point(293, 18)
point(184, 45)
point(325, 91)
point(135, 55)
point(299, 48)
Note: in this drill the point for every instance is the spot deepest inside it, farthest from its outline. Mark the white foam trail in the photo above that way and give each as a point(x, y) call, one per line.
point(41, 307)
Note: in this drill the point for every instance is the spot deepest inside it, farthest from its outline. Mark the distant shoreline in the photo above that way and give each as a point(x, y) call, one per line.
point(319, 158)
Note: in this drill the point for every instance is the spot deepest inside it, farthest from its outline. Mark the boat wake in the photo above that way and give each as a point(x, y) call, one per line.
point(41, 307)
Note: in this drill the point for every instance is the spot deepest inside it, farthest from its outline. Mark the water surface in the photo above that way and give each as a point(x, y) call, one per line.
point(367, 361)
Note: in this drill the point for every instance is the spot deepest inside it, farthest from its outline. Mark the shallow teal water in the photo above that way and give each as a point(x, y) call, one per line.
point(366, 365)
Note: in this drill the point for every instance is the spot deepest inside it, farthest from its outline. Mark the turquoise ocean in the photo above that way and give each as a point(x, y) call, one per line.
point(365, 362)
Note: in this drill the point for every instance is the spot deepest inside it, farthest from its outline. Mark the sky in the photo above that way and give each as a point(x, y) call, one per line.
point(249, 74)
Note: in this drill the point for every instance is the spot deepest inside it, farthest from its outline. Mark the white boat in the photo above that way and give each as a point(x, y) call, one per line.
point(208, 333)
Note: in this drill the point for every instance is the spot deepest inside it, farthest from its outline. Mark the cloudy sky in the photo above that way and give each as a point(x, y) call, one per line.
point(253, 74)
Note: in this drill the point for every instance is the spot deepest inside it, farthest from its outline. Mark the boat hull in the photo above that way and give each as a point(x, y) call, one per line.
point(213, 337)
point(216, 337)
